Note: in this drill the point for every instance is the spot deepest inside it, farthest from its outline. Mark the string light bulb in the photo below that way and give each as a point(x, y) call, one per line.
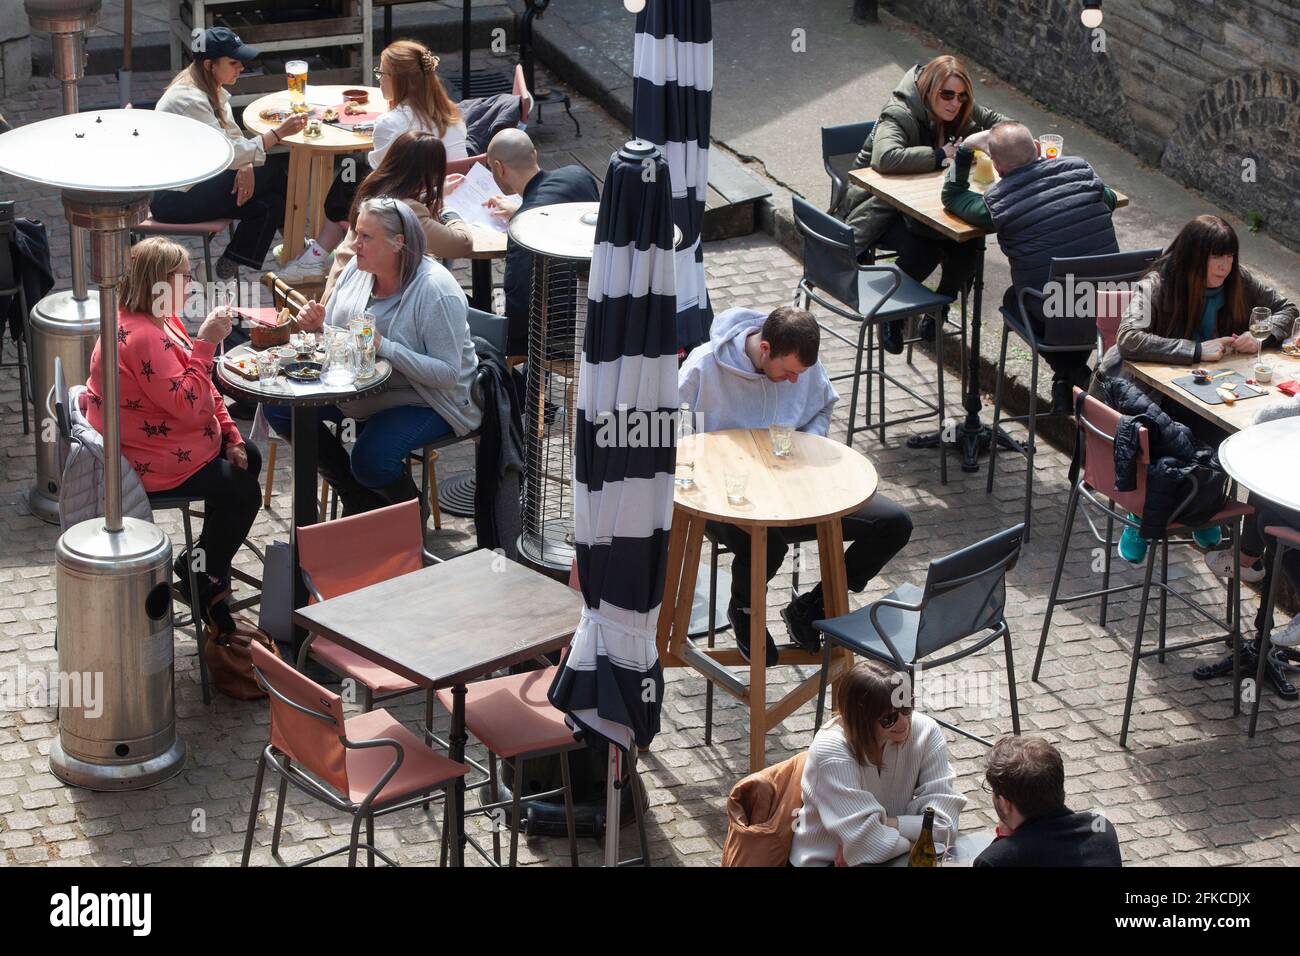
point(633, 6)
point(1092, 14)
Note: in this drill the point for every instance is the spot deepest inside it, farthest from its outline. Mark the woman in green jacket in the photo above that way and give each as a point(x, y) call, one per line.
point(929, 113)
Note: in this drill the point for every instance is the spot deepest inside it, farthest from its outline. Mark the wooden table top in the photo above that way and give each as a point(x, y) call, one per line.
point(920, 195)
point(449, 623)
point(331, 138)
point(488, 243)
point(1230, 418)
point(820, 479)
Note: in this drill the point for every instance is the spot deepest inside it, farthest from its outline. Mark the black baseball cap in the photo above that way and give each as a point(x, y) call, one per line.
point(223, 41)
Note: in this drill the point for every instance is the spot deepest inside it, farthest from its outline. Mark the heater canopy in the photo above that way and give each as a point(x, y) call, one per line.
point(115, 151)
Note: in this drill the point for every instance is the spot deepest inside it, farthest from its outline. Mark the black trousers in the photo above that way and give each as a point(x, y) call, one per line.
point(877, 532)
point(259, 219)
point(1253, 542)
point(338, 201)
point(231, 499)
point(919, 254)
point(1064, 365)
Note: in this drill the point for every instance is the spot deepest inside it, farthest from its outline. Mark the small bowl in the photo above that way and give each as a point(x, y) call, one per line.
point(1263, 374)
point(357, 96)
point(286, 353)
point(1200, 376)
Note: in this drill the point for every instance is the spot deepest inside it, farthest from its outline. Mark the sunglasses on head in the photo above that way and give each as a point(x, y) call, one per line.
point(887, 722)
point(949, 95)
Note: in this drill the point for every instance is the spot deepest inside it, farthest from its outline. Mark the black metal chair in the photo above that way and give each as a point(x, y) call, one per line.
point(1068, 332)
point(869, 295)
point(11, 287)
point(964, 596)
point(840, 148)
point(1284, 539)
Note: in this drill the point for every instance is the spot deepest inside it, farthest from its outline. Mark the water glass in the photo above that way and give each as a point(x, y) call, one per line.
point(736, 477)
point(781, 439)
point(1053, 146)
point(362, 328)
point(268, 367)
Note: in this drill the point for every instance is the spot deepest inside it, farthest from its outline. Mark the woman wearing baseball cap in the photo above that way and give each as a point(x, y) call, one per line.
point(252, 190)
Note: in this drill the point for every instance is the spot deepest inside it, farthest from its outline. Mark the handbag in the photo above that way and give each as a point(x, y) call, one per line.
point(230, 658)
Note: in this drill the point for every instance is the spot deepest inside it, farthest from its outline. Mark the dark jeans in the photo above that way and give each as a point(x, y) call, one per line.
point(338, 201)
point(1065, 366)
point(231, 499)
point(365, 479)
point(259, 218)
point(877, 532)
point(918, 255)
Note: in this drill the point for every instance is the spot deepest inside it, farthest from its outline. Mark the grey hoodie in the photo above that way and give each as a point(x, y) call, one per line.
point(722, 386)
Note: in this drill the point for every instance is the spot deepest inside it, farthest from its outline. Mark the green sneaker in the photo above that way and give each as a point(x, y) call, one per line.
point(1208, 537)
point(1132, 546)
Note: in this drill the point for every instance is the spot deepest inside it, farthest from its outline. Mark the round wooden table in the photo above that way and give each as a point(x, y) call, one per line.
point(311, 159)
point(819, 483)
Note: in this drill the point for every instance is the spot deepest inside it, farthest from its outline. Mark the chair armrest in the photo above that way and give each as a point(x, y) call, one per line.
point(1024, 294)
point(875, 623)
point(430, 557)
point(388, 774)
point(1288, 536)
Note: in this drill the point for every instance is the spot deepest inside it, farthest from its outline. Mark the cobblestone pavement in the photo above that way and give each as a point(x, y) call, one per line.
point(1191, 790)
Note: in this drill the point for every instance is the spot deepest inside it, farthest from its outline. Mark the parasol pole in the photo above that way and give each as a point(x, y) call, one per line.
point(613, 804)
point(124, 74)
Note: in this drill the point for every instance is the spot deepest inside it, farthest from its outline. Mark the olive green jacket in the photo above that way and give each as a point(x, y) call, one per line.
point(900, 143)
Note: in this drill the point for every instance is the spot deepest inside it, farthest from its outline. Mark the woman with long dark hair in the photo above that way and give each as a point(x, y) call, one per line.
point(413, 170)
point(252, 190)
point(1195, 304)
point(870, 775)
point(417, 100)
point(929, 113)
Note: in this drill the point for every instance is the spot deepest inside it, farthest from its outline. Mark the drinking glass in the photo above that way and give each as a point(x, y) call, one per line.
point(736, 477)
point(781, 440)
point(1053, 145)
point(268, 366)
point(362, 328)
point(1261, 325)
point(296, 71)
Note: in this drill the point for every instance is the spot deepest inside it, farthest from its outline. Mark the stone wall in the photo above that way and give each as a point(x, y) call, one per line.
point(15, 48)
point(1207, 90)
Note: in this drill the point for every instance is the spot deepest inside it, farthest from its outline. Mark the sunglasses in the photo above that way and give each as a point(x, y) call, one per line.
point(949, 95)
point(887, 722)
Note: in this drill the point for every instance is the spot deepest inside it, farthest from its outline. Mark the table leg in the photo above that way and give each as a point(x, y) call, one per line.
point(305, 421)
point(322, 177)
point(672, 582)
point(295, 210)
point(757, 647)
point(480, 273)
point(835, 588)
point(457, 753)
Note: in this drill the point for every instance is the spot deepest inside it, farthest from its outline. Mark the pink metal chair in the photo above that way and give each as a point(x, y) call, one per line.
point(463, 166)
point(365, 766)
point(1096, 484)
point(1111, 306)
point(206, 230)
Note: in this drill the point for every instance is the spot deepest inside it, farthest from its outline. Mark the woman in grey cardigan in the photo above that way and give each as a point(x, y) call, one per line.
point(421, 327)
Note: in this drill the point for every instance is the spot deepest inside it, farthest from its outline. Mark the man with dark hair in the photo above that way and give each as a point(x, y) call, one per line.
point(1041, 209)
point(1026, 778)
point(757, 371)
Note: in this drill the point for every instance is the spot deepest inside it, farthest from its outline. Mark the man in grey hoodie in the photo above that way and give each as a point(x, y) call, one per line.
point(756, 371)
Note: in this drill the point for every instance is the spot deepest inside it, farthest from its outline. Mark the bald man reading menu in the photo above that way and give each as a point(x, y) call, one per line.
point(512, 158)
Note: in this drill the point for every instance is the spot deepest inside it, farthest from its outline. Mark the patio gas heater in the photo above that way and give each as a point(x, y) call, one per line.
point(64, 324)
point(560, 238)
point(114, 574)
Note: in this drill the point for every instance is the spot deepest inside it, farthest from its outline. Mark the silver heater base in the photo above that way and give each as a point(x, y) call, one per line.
point(546, 554)
point(117, 776)
point(42, 505)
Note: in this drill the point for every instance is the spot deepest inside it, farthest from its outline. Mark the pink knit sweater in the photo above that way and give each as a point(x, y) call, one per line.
point(173, 418)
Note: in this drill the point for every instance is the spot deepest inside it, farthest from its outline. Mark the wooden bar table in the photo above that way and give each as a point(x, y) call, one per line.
point(311, 158)
point(818, 483)
point(1230, 418)
point(448, 624)
point(920, 197)
point(488, 245)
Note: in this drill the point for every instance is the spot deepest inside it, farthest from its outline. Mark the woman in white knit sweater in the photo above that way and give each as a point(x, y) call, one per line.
point(871, 772)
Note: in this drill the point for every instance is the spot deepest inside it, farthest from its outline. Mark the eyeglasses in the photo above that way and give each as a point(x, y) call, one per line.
point(887, 722)
point(949, 95)
point(378, 73)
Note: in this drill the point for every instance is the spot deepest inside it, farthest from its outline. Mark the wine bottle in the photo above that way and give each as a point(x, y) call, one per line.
point(923, 853)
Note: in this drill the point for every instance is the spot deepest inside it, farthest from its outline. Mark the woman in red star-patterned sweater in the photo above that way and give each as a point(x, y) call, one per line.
point(175, 429)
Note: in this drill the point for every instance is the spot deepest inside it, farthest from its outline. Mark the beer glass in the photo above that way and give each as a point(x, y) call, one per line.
point(1053, 145)
point(296, 70)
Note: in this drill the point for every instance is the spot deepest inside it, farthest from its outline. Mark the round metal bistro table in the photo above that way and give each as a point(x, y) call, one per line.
point(304, 401)
point(1265, 459)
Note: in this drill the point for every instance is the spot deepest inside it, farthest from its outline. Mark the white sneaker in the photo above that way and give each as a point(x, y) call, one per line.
point(1220, 564)
point(1289, 636)
point(313, 264)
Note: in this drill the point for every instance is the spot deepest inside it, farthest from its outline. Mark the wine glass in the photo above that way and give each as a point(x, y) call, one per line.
point(1261, 325)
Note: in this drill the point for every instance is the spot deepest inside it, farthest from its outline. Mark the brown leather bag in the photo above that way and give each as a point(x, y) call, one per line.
point(761, 815)
point(230, 658)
